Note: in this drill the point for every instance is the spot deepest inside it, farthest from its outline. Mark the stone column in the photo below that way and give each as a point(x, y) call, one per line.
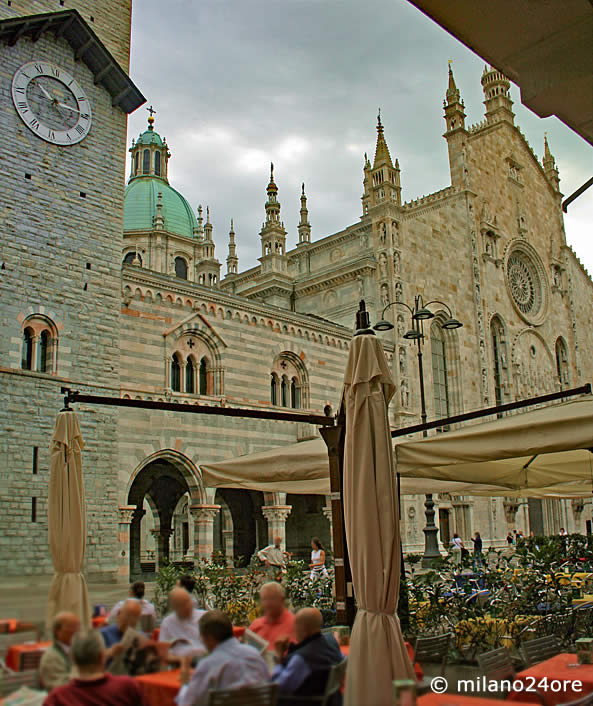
point(276, 516)
point(162, 537)
point(203, 516)
point(126, 513)
point(135, 540)
point(327, 511)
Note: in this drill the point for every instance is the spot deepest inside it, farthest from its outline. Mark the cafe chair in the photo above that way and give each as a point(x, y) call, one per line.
point(254, 640)
point(264, 695)
point(540, 649)
point(334, 682)
point(497, 664)
point(433, 650)
point(30, 660)
point(586, 700)
point(13, 682)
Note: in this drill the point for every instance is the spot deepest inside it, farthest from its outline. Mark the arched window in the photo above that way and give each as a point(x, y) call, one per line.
point(203, 377)
point(44, 352)
point(284, 391)
point(136, 161)
point(27, 352)
point(274, 389)
point(498, 358)
point(175, 373)
point(146, 162)
point(190, 376)
point(562, 362)
point(180, 268)
point(157, 163)
point(295, 394)
point(439, 372)
point(130, 257)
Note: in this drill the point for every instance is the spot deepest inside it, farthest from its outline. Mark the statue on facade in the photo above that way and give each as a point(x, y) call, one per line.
point(384, 295)
point(402, 362)
point(396, 261)
point(383, 265)
point(401, 326)
point(405, 394)
point(399, 294)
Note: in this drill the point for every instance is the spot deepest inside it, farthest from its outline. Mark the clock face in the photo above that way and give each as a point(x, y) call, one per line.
point(51, 103)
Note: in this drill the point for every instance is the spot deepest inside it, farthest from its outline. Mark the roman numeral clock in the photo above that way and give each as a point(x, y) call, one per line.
point(51, 103)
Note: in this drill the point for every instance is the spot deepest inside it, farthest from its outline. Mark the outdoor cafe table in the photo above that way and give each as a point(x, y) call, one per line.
point(556, 668)
point(432, 699)
point(13, 655)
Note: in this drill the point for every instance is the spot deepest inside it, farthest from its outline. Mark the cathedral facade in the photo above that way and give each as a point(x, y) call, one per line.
point(125, 296)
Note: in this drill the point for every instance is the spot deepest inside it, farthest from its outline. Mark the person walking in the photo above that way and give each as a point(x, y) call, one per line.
point(477, 540)
point(317, 564)
point(457, 548)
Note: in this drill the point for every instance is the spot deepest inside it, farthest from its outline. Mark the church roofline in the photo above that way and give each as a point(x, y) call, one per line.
point(87, 47)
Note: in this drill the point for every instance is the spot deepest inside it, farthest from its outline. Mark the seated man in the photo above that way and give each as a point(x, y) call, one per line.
point(229, 664)
point(180, 627)
point(56, 666)
point(137, 590)
point(94, 686)
point(120, 636)
point(277, 622)
point(274, 557)
point(305, 670)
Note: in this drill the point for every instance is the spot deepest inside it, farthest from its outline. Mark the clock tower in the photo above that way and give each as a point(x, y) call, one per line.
point(65, 100)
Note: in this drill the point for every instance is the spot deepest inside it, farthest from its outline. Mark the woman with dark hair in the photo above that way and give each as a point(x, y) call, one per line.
point(317, 564)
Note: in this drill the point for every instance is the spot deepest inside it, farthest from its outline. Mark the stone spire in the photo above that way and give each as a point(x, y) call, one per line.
point(549, 164)
point(382, 155)
point(272, 234)
point(304, 225)
point(159, 221)
point(232, 261)
point(208, 267)
point(499, 106)
point(454, 106)
point(208, 242)
point(199, 231)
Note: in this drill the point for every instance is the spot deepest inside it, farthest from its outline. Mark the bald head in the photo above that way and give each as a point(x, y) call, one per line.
point(308, 622)
point(181, 603)
point(271, 596)
point(65, 626)
point(278, 542)
point(129, 615)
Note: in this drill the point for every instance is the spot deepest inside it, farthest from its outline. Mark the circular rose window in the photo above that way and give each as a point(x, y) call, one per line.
point(525, 283)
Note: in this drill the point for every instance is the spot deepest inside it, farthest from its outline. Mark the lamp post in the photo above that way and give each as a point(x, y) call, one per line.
point(420, 313)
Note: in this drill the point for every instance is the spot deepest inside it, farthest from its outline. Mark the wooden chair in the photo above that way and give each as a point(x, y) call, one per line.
point(264, 695)
point(433, 649)
point(251, 638)
point(12, 682)
point(497, 664)
point(30, 660)
point(540, 649)
point(335, 679)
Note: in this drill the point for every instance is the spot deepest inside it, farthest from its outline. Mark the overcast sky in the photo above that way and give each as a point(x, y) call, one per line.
point(239, 83)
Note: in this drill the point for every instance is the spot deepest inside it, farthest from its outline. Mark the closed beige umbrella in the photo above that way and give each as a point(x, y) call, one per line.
point(67, 520)
point(377, 650)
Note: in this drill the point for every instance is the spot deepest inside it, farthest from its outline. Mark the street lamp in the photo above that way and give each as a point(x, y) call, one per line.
point(420, 313)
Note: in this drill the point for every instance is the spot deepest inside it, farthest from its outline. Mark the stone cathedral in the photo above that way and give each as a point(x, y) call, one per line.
point(115, 289)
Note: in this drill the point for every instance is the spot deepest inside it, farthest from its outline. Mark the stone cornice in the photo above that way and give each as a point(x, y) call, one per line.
point(134, 276)
point(332, 276)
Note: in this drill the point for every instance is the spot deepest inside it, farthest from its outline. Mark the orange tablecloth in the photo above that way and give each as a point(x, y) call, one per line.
point(8, 625)
point(99, 621)
point(455, 700)
point(160, 689)
point(13, 656)
point(556, 668)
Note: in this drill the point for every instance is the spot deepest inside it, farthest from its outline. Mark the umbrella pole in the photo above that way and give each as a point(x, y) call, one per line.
point(334, 439)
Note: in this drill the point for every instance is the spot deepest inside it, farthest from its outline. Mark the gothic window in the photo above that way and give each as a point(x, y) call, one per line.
point(44, 352)
point(274, 389)
point(146, 162)
point(157, 163)
point(284, 391)
point(439, 372)
point(204, 377)
point(175, 373)
point(130, 257)
point(27, 356)
point(295, 394)
point(498, 353)
point(562, 362)
point(180, 268)
point(190, 376)
point(136, 161)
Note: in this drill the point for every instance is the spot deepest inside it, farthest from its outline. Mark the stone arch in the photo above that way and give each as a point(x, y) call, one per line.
point(534, 365)
point(450, 340)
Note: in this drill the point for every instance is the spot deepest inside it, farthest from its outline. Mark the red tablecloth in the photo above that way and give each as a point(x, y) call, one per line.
point(13, 656)
point(8, 625)
point(99, 621)
point(455, 700)
point(556, 668)
point(160, 689)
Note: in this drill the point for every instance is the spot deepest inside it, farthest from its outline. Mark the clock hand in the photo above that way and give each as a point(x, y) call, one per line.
point(74, 110)
point(46, 94)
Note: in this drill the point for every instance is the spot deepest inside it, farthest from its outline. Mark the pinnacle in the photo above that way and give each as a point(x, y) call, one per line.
point(382, 155)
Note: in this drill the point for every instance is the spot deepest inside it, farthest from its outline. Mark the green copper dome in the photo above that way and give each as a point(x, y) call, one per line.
point(149, 137)
point(140, 201)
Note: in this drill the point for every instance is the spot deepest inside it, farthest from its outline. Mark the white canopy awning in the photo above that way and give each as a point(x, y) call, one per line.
point(540, 453)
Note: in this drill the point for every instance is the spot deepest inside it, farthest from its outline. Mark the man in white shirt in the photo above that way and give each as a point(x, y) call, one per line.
point(228, 665)
point(180, 627)
point(274, 557)
point(137, 590)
